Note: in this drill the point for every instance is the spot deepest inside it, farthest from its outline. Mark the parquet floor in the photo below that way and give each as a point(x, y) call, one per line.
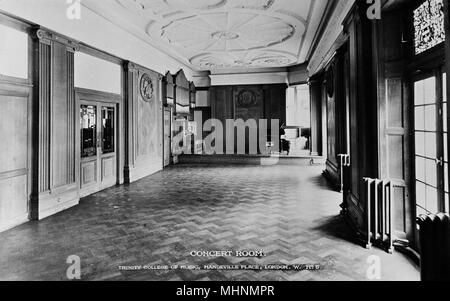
point(286, 211)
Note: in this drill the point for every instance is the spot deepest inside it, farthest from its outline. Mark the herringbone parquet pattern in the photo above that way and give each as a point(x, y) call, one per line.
point(286, 211)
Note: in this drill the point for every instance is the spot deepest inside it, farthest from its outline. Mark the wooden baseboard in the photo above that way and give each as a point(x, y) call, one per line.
point(17, 221)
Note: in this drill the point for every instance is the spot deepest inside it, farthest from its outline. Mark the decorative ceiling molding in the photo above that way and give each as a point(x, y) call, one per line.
point(244, 60)
point(195, 4)
point(226, 32)
point(263, 33)
point(256, 4)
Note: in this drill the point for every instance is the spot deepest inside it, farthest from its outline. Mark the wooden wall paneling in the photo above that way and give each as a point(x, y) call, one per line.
point(324, 101)
point(144, 119)
point(394, 123)
point(248, 103)
point(54, 77)
point(271, 101)
point(43, 82)
point(332, 167)
point(15, 149)
point(363, 111)
point(71, 118)
point(315, 88)
point(354, 127)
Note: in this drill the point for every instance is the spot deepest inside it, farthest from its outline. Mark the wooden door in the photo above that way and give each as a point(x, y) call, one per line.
point(98, 146)
point(167, 135)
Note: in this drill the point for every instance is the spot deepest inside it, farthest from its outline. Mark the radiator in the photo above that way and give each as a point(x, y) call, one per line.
point(434, 236)
point(380, 212)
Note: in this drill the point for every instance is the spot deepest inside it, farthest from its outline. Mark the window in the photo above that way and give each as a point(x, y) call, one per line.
point(108, 130)
point(428, 25)
point(431, 155)
point(88, 131)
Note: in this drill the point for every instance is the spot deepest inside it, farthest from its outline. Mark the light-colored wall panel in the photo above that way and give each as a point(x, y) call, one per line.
point(13, 201)
point(97, 74)
point(108, 167)
point(13, 133)
point(13, 52)
point(89, 173)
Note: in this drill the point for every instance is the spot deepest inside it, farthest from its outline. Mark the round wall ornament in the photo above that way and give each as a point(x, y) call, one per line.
point(146, 87)
point(247, 99)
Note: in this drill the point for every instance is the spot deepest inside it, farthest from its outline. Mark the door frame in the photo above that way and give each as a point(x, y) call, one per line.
point(86, 96)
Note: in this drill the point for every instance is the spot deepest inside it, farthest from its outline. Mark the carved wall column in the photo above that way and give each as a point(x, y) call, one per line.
point(55, 115)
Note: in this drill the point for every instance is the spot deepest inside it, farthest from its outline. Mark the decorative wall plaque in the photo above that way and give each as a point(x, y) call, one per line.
point(246, 99)
point(146, 86)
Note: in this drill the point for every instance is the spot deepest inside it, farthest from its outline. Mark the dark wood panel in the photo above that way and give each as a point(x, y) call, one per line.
point(394, 157)
point(59, 112)
point(43, 79)
point(270, 103)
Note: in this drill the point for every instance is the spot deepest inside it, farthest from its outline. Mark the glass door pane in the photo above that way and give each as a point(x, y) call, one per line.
point(426, 114)
point(445, 137)
point(88, 119)
point(108, 132)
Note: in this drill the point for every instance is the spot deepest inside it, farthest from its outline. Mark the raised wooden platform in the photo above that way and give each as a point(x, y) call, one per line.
point(250, 160)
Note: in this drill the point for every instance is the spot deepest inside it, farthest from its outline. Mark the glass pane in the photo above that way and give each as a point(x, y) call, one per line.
point(445, 148)
point(428, 25)
point(419, 119)
point(431, 173)
point(444, 116)
point(420, 144)
point(421, 211)
point(420, 194)
point(447, 201)
point(418, 93)
point(430, 90)
point(88, 131)
point(420, 169)
point(108, 130)
point(444, 86)
point(430, 145)
point(432, 200)
point(430, 118)
point(446, 177)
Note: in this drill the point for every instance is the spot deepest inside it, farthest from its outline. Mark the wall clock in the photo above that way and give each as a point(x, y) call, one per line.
point(146, 87)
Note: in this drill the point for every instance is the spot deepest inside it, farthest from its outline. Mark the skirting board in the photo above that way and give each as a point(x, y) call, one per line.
point(57, 208)
point(140, 173)
point(14, 223)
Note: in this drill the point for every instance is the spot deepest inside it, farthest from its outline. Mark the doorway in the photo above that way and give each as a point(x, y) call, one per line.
point(98, 128)
point(296, 133)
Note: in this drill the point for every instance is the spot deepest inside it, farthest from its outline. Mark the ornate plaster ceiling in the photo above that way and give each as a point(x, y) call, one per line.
point(224, 34)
